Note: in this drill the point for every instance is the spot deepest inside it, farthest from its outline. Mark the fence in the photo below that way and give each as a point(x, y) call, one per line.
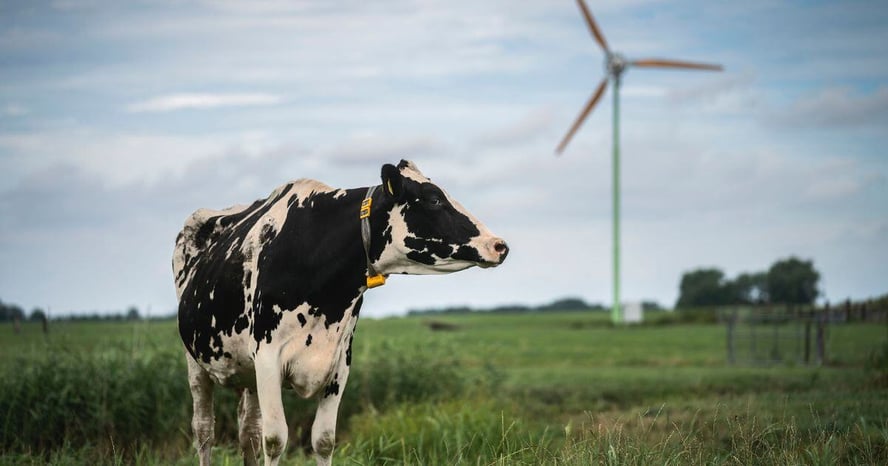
point(768, 335)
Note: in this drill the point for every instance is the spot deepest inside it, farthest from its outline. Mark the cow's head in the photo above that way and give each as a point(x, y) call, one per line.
point(429, 232)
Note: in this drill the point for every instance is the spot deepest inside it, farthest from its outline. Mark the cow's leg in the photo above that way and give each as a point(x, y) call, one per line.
point(249, 426)
point(274, 424)
point(202, 419)
point(323, 431)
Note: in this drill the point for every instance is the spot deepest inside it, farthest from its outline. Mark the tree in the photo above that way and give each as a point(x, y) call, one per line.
point(793, 281)
point(650, 305)
point(132, 313)
point(749, 288)
point(38, 315)
point(11, 312)
point(565, 304)
point(703, 287)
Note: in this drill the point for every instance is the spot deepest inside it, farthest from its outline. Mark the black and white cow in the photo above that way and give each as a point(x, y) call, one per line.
point(269, 294)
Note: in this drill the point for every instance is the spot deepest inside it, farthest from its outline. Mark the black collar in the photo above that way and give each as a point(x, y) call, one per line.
point(374, 278)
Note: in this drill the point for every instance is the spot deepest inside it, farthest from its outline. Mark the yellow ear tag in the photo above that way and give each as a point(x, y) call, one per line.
point(388, 183)
point(376, 280)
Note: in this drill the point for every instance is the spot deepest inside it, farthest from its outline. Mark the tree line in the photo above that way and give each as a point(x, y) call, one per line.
point(790, 281)
point(576, 304)
point(559, 305)
point(12, 312)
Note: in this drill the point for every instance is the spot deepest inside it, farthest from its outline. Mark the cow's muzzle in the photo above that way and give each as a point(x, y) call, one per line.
point(495, 253)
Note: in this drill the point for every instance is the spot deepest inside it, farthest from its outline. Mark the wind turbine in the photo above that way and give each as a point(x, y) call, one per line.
point(615, 65)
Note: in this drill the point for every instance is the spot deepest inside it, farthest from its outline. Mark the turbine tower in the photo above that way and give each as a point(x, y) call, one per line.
point(615, 65)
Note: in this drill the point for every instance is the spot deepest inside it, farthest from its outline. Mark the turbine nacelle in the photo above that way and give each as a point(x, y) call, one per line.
point(615, 63)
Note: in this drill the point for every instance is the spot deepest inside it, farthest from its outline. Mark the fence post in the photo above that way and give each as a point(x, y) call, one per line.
point(732, 319)
point(821, 339)
point(752, 336)
point(808, 338)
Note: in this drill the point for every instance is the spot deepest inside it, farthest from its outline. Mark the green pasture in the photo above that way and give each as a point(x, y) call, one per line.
point(540, 388)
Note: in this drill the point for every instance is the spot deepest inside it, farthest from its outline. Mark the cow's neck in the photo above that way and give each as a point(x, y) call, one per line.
point(318, 258)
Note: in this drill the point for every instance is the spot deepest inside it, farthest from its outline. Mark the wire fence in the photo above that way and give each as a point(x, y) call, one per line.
point(781, 334)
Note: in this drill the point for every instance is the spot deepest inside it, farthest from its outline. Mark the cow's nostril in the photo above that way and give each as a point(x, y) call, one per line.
point(500, 247)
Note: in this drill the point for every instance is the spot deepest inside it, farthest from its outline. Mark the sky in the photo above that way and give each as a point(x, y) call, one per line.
point(118, 119)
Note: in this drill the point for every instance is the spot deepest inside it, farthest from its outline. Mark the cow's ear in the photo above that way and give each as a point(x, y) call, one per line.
point(392, 181)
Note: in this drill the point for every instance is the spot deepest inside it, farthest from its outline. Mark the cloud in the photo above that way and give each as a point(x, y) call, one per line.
point(729, 93)
point(116, 157)
point(184, 101)
point(837, 179)
point(107, 160)
point(528, 127)
point(836, 107)
point(13, 110)
point(376, 148)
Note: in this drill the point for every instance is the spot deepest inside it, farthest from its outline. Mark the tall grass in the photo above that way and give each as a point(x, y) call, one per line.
point(486, 432)
point(447, 433)
point(117, 401)
point(107, 399)
point(729, 438)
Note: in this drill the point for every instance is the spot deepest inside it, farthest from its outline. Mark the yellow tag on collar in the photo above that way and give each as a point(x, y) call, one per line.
point(375, 280)
point(365, 207)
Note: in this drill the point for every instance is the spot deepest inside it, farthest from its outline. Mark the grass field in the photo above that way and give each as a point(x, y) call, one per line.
point(550, 388)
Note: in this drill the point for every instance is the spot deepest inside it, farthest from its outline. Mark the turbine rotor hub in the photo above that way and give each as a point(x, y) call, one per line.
point(615, 64)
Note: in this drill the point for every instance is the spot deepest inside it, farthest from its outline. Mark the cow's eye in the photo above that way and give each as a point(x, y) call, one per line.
point(434, 201)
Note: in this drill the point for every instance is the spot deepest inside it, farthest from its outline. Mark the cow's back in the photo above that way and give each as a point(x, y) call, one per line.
point(212, 268)
point(192, 241)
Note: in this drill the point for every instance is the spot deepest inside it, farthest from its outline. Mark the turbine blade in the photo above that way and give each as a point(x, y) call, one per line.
point(582, 117)
point(593, 27)
point(660, 63)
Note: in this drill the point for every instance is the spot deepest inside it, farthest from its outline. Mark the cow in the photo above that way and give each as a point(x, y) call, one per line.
point(269, 294)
